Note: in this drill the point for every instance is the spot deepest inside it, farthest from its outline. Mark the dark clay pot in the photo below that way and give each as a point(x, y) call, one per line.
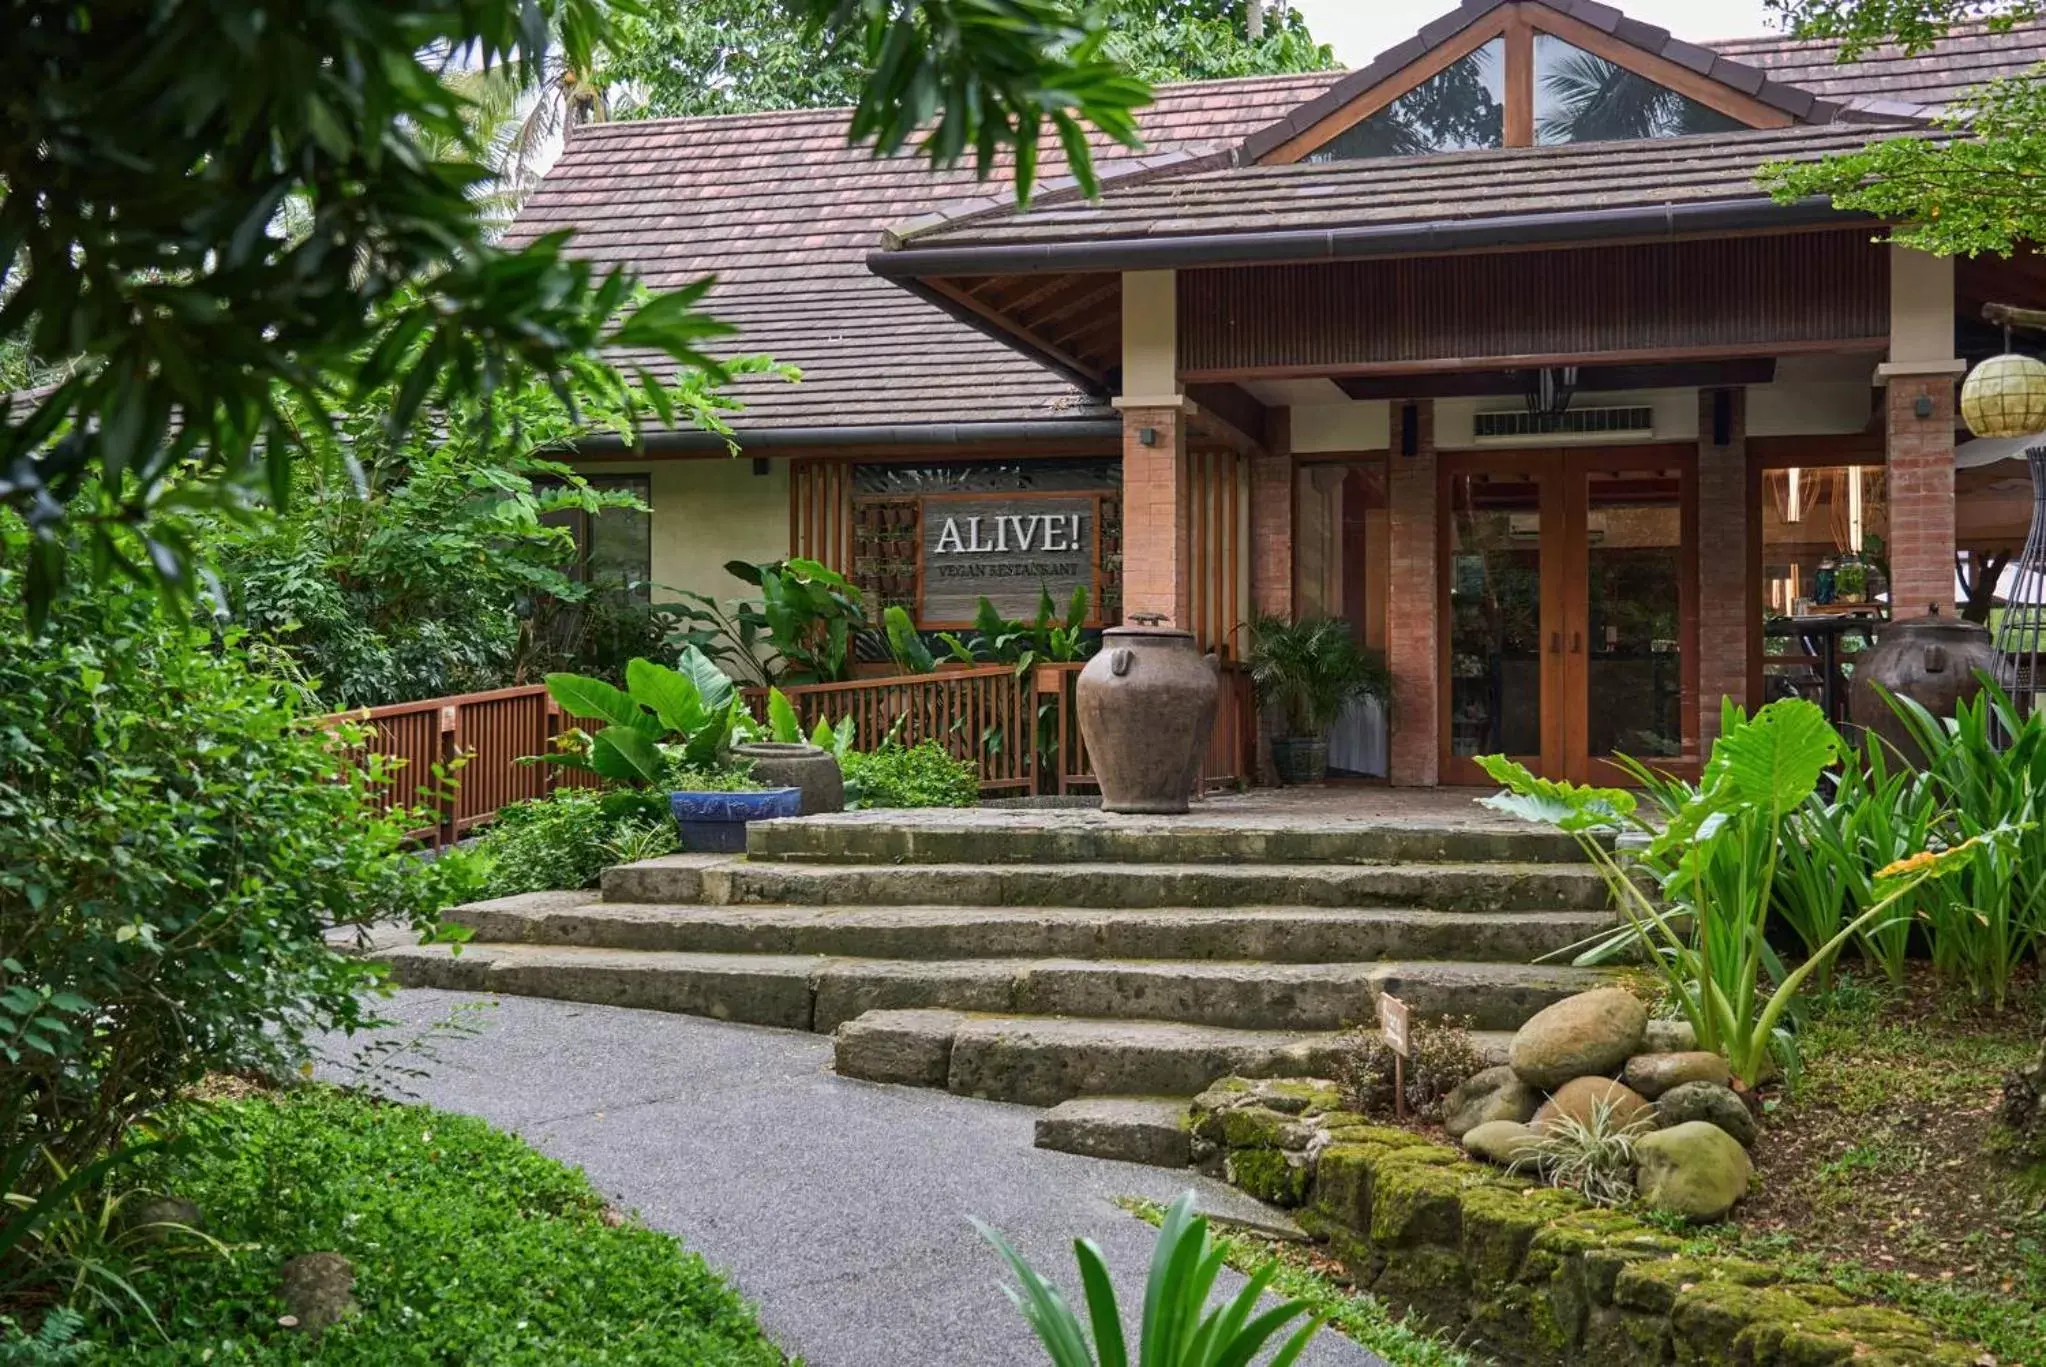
point(1932, 660)
point(782, 764)
point(1300, 759)
point(1147, 708)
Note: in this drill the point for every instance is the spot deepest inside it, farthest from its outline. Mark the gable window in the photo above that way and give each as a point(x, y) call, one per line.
point(1582, 97)
point(1459, 109)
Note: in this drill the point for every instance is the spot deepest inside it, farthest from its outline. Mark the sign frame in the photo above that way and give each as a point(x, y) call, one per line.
point(1395, 1023)
point(927, 503)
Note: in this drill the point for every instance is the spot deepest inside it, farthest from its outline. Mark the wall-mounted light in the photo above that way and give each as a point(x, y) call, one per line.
point(1923, 407)
point(1147, 436)
point(760, 465)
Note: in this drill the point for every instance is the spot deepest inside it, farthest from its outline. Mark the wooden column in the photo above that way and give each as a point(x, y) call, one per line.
point(1413, 632)
point(1725, 558)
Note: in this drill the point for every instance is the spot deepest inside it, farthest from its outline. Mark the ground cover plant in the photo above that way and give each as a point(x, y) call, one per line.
point(467, 1246)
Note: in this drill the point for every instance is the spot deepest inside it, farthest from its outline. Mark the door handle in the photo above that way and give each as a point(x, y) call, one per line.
point(1555, 643)
point(1576, 643)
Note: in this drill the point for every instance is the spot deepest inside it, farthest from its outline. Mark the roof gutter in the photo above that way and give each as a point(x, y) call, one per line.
point(1280, 246)
point(755, 440)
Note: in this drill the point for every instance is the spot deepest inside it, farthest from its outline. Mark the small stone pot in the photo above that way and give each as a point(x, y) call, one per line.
point(783, 764)
point(1147, 707)
point(1300, 759)
point(1935, 660)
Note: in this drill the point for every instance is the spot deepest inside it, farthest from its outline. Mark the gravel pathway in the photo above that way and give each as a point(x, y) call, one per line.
point(840, 1207)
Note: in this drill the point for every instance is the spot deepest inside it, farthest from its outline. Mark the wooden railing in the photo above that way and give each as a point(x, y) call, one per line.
point(490, 732)
point(1230, 761)
point(981, 715)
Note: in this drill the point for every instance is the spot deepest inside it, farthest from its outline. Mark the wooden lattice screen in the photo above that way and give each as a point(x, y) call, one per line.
point(1218, 513)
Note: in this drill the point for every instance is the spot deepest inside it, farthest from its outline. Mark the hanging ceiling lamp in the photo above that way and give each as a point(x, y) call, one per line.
point(1549, 391)
point(2005, 396)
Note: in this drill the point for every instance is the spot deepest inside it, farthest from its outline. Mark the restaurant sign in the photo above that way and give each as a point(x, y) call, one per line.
point(1007, 548)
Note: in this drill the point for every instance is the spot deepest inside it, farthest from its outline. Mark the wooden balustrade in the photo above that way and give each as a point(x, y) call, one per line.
point(981, 715)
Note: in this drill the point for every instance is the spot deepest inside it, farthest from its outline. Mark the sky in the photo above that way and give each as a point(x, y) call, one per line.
point(1361, 29)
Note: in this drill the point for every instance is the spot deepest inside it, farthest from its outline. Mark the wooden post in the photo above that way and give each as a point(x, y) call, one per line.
point(444, 794)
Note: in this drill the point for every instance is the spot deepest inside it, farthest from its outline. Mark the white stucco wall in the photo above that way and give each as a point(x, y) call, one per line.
point(707, 511)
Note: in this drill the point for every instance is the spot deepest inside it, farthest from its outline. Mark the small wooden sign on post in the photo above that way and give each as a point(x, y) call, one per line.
point(1392, 1020)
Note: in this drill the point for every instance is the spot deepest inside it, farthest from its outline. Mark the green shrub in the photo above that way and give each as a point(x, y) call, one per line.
point(468, 1247)
point(175, 846)
point(565, 840)
point(923, 775)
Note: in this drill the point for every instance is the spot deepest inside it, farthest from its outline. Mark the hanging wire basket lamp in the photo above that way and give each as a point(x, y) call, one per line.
point(2005, 397)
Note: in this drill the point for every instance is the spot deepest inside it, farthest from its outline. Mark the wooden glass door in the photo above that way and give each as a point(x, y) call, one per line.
point(1568, 610)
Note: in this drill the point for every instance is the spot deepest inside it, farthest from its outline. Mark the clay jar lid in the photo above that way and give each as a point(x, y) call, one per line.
point(1145, 634)
point(1934, 624)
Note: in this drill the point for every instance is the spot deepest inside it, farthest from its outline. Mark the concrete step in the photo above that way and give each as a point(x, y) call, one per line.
point(1274, 934)
point(1022, 836)
point(1152, 1130)
point(1439, 887)
point(1043, 1062)
point(814, 992)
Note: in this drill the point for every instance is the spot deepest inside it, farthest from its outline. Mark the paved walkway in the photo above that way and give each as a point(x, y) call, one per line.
point(840, 1207)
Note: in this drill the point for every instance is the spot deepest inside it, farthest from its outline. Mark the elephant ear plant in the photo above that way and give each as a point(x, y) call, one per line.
point(1715, 862)
point(662, 718)
point(1178, 1329)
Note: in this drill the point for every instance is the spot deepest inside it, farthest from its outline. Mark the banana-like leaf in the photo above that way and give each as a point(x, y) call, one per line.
point(625, 755)
point(1570, 806)
point(672, 697)
point(905, 647)
point(713, 685)
point(1772, 760)
point(706, 748)
point(582, 696)
point(782, 722)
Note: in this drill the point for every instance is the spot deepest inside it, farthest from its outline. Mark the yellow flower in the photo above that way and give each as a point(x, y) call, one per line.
point(1924, 859)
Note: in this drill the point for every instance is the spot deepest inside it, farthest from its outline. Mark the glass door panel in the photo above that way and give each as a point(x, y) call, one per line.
point(1501, 579)
point(1633, 630)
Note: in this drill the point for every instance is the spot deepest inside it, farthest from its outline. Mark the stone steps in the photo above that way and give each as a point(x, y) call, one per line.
point(1468, 887)
point(1273, 934)
point(1042, 1062)
point(821, 993)
point(1012, 836)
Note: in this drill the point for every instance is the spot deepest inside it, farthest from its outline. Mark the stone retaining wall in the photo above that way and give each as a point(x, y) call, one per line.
point(1520, 1272)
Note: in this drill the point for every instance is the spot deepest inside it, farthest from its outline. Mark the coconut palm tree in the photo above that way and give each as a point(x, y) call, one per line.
point(1593, 100)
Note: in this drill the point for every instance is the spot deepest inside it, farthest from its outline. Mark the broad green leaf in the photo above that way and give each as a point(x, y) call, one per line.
point(713, 685)
point(582, 696)
point(625, 755)
point(1772, 760)
point(671, 696)
point(782, 722)
point(1570, 806)
point(706, 748)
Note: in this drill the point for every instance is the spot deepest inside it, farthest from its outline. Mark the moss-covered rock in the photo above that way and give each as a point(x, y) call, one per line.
point(1417, 1203)
point(1624, 1338)
point(1654, 1284)
point(1275, 1176)
point(1499, 1224)
point(1430, 1282)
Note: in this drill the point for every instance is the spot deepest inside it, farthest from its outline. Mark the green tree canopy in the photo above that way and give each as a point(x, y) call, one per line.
point(154, 147)
point(691, 57)
point(1977, 183)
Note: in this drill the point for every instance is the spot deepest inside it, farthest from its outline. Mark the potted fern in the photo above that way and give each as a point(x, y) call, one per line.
point(1309, 671)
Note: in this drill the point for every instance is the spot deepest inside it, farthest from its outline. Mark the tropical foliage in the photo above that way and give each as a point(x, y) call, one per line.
point(1971, 187)
point(1051, 637)
point(662, 719)
point(1179, 1328)
point(1716, 860)
point(808, 616)
point(1311, 669)
point(897, 775)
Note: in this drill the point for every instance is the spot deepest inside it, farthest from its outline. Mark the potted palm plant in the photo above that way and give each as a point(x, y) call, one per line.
point(1309, 671)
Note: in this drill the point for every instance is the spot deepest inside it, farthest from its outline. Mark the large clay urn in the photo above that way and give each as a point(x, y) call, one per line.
point(1147, 706)
point(1936, 661)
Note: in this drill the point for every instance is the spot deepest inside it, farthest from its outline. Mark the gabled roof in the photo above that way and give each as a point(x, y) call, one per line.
point(1926, 82)
point(784, 212)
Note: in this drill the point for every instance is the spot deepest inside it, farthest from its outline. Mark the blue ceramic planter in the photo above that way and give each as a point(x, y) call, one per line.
point(715, 823)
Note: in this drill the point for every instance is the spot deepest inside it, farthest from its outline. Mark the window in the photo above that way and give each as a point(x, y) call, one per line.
point(1581, 97)
point(1459, 109)
point(615, 547)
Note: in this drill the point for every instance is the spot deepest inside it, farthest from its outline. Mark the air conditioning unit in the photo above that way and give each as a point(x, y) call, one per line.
point(1517, 426)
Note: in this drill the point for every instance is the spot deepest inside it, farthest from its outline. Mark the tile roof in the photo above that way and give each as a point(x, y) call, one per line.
point(1968, 57)
point(1389, 191)
point(784, 213)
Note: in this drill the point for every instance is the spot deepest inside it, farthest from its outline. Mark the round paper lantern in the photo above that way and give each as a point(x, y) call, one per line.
point(2005, 396)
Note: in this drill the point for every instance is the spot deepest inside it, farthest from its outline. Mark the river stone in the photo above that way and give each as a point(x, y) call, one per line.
point(1580, 1098)
point(1669, 1036)
point(1495, 1094)
point(1708, 1102)
point(318, 1291)
point(1653, 1074)
point(1588, 1035)
point(1694, 1169)
point(1499, 1141)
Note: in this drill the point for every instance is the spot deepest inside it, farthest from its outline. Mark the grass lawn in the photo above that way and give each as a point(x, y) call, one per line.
point(469, 1247)
point(1874, 1169)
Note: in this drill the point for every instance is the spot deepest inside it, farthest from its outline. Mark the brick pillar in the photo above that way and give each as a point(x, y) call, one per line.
point(1724, 560)
point(1271, 519)
point(1921, 456)
point(1412, 645)
point(1157, 547)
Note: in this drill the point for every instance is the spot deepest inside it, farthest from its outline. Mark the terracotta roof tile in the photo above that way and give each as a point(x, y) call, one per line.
point(1965, 59)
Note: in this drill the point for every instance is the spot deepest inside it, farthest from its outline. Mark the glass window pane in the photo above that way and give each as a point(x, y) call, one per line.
point(1458, 109)
point(1634, 655)
point(1342, 563)
point(619, 552)
point(1495, 614)
point(1581, 97)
